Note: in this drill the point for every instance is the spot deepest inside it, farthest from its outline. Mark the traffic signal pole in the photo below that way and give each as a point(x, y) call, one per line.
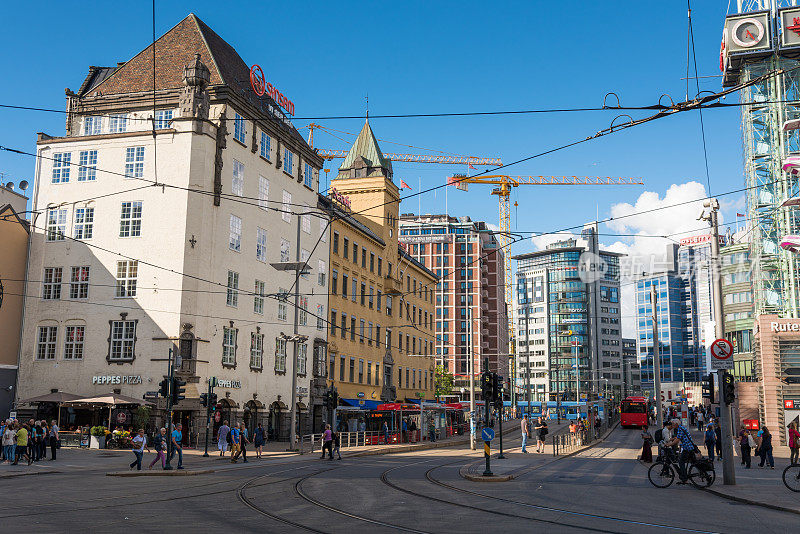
point(167, 466)
point(487, 405)
point(656, 355)
point(208, 414)
point(726, 423)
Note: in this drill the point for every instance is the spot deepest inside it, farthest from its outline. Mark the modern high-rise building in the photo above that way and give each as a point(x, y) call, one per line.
point(685, 311)
point(737, 305)
point(469, 296)
point(568, 309)
point(631, 371)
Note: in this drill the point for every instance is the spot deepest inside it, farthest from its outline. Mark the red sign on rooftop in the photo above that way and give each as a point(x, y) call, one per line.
point(260, 87)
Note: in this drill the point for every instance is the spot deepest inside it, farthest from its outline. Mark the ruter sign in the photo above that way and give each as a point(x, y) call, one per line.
point(721, 354)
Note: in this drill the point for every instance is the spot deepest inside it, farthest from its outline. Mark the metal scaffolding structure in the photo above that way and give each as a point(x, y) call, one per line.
point(770, 104)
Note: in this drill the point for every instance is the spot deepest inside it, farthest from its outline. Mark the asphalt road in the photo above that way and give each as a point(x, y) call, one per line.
point(602, 489)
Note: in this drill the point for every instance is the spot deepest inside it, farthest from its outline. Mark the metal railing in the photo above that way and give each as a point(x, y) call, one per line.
point(313, 442)
point(566, 442)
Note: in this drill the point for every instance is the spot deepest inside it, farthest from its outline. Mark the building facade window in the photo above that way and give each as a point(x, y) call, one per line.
point(261, 245)
point(320, 316)
point(51, 284)
point(163, 119)
point(286, 206)
point(258, 298)
point(118, 123)
point(56, 224)
point(130, 220)
point(127, 272)
point(46, 343)
point(283, 295)
point(87, 165)
point(285, 246)
point(235, 241)
point(321, 272)
point(308, 176)
point(61, 167)
point(266, 145)
point(134, 162)
point(263, 193)
point(232, 291)
point(305, 223)
point(79, 282)
point(288, 164)
point(302, 358)
point(84, 223)
point(280, 355)
point(256, 350)
point(123, 340)
point(73, 342)
point(237, 182)
point(229, 337)
point(239, 128)
point(92, 125)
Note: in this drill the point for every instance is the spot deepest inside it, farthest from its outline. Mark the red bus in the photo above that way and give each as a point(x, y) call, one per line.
point(633, 412)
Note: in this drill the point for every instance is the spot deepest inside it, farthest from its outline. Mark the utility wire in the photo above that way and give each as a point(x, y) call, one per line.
point(697, 84)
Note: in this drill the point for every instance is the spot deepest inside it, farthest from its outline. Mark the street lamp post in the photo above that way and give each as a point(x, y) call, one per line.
point(299, 268)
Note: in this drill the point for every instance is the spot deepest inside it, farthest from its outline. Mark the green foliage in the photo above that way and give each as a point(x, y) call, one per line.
point(444, 381)
point(98, 431)
point(141, 417)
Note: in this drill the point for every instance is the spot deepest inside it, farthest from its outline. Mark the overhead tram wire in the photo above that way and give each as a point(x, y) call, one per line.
point(697, 84)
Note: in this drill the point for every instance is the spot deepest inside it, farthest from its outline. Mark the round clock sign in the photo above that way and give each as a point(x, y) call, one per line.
point(747, 32)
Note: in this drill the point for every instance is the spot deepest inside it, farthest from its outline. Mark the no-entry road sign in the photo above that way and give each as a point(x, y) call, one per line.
point(721, 354)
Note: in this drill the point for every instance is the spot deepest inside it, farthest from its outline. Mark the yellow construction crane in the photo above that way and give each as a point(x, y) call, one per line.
point(503, 192)
point(445, 159)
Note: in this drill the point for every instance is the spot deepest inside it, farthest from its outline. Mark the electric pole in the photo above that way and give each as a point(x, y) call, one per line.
point(726, 424)
point(527, 354)
point(473, 421)
point(656, 353)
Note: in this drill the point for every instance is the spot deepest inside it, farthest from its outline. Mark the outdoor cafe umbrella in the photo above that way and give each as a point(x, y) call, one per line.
point(110, 400)
point(58, 397)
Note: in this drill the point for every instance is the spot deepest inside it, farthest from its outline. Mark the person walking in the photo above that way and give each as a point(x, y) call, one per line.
point(222, 438)
point(542, 431)
point(700, 420)
point(244, 440)
point(139, 444)
point(718, 436)
point(327, 442)
point(647, 445)
point(524, 426)
point(432, 431)
point(235, 439)
point(765, 447)
point(8, 442)
point(239, 435)
point(55, 442)
point(34, 439)
point(710, 439)
point(405, 430)
point(745, 444)
point(21, 448)
point(177, 437)
point(258, 440)
point(336, 442)
point(794, 442)
point(385, 429)
point(159, 444)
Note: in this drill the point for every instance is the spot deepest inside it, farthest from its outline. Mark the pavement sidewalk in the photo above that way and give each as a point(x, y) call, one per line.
point(112, 460)
point(517, 463)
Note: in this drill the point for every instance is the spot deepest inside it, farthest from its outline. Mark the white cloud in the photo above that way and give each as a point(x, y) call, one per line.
point(674, 214)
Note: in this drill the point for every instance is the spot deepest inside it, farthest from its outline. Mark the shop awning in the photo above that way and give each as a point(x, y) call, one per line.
point(58, 397)
point(364, 404)
point(111, 399)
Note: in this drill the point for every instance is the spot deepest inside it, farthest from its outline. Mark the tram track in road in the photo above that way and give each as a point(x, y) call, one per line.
point(127, 503)
point(631, 522)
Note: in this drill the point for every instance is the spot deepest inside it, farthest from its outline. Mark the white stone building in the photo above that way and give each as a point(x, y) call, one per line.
point(149, 240)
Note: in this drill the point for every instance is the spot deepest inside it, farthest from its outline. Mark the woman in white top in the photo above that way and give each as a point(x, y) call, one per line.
point(8, 442)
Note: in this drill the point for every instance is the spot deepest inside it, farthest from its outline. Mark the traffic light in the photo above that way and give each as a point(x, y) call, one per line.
point(204, 399)
point(498, 392)
point(178, 390)
point(164, 388)
point(212, 401)
point(708, 388)
point(487, 386)
point(728, 389)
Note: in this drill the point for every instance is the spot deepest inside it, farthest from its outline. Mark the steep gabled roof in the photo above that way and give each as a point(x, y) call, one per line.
point(366, 149)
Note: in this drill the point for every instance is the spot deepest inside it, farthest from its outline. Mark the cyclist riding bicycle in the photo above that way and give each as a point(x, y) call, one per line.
point(688, 449)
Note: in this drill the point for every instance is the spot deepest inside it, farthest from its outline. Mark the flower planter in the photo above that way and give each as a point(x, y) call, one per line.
point(97, 442)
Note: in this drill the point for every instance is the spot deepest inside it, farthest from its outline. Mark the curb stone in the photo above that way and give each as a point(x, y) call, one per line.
point(162, 473)
point(464, 470)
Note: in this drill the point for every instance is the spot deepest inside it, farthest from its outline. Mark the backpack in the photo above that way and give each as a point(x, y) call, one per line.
point(659, 435)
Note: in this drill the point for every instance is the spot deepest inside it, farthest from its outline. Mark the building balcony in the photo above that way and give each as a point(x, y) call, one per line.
point(392, 286)
point(485, 280)
point(485, 307)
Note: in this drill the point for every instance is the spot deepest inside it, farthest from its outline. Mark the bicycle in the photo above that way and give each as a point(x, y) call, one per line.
point(701, 472)
point(791, 477)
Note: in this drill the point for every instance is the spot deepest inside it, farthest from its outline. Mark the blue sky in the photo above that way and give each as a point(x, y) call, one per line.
point(418, 57)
